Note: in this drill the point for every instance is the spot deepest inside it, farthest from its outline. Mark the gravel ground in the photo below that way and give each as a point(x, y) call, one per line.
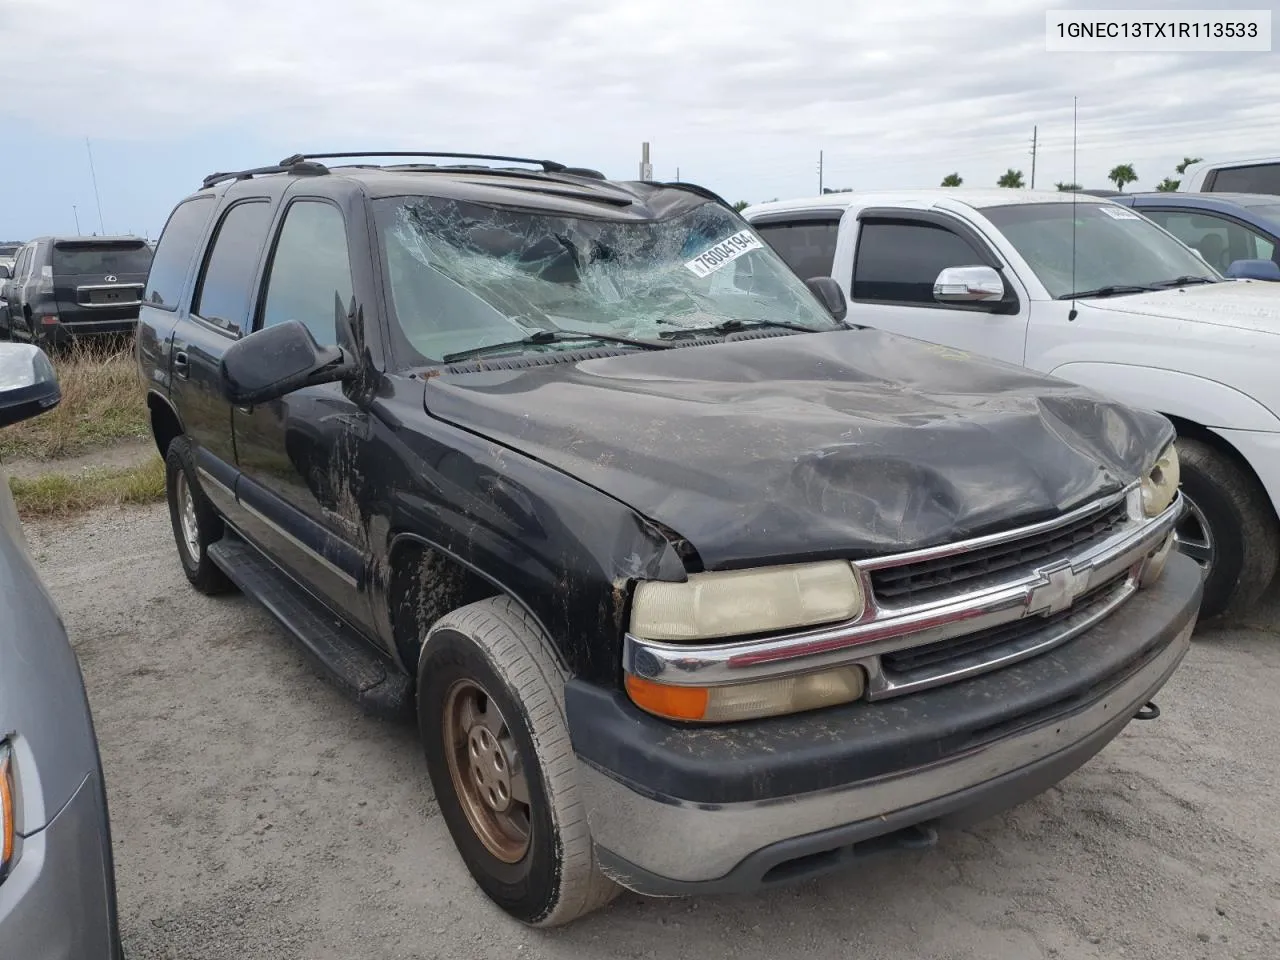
point(257, 814)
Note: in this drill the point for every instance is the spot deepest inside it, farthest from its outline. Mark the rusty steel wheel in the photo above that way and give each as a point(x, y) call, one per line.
point(487, 772)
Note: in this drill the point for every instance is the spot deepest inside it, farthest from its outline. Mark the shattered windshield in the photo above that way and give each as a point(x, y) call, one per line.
point(465, 275)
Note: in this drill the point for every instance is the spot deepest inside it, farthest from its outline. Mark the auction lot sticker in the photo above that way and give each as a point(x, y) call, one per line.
point(724, 252)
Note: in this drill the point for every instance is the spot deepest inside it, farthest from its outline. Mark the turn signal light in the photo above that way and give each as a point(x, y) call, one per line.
point(748, 701)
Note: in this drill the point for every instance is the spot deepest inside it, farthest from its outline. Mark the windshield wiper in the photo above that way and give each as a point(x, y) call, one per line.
point(736, 326)
point(1183, 282)
point(1115, 290)
point(543, 337)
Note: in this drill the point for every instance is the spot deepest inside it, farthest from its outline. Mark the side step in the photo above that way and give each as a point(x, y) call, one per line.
point(348, 660)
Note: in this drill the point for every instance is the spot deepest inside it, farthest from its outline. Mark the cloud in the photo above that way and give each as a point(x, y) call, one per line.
point(740, 95)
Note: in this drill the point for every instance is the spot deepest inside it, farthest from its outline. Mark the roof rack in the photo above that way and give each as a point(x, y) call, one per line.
point(304, 164)
point(300, 167)
point(548, 166)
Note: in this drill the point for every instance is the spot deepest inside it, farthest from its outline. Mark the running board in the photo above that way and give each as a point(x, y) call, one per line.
point(347, 658)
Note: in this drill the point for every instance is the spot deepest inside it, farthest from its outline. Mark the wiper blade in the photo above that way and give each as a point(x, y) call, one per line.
point(1115, 290)
point(1183, 282)
point(543, 337)
point(736, 326)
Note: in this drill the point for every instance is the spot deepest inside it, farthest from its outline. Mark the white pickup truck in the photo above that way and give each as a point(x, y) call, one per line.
point(1090, 291)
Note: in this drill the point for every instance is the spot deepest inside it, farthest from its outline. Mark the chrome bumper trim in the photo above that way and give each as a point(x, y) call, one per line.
point(880, 630)
point(660, 836)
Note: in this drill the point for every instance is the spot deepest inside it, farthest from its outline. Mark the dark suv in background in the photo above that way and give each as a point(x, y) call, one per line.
point(63, 287)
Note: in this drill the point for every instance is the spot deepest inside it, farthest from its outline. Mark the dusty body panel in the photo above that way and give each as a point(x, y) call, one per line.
point(802, 447)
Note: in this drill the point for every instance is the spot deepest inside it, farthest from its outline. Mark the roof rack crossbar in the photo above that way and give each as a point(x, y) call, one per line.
point(297, 166)
point(548, 166)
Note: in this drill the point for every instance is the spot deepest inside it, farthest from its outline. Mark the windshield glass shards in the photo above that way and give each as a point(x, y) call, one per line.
point(465, 276)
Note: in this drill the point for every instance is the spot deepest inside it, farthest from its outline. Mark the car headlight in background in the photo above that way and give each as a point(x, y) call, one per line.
point(8, 813)
point(1160, 485)
point(707, 606)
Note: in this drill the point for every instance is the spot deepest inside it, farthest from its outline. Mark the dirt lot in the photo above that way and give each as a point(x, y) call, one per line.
point(258, 815)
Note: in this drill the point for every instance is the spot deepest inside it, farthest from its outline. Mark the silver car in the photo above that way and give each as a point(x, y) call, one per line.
point(57, 878)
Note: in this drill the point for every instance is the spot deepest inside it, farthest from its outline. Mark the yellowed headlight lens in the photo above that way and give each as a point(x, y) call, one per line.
point(726, 604)
point(1160, 485)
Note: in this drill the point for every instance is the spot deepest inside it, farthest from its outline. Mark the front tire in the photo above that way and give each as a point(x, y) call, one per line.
point(196, 523)
point(491, 713)
point(1229, 528)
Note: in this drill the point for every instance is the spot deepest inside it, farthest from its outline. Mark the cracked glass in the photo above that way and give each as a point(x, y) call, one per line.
point(464, 275)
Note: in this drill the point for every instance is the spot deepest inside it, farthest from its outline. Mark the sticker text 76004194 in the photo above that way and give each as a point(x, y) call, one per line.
point(722, 253)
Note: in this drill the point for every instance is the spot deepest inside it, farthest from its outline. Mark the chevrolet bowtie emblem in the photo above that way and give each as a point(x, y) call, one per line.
point(1061, 587)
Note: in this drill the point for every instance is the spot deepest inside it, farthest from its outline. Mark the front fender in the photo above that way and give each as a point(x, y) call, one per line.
point(1209, 403)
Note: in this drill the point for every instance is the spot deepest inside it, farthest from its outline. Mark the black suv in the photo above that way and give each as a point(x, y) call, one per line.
point(692, 585)
point(64, 287)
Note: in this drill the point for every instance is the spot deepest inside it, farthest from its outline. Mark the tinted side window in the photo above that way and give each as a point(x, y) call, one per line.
point(1262, 178)
point(1219, 240)
point(900, 261)
point(174, 252)
point(226, 285)
point(807, 247)
point(309, 268)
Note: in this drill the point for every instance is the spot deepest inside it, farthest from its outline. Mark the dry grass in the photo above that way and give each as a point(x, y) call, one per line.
point(103, 402)
point(65, 494)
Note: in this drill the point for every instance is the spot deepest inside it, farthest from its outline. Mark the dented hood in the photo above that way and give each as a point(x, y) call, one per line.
point(847, 443)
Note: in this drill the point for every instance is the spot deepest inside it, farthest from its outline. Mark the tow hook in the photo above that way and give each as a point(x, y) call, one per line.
point(1149, 711)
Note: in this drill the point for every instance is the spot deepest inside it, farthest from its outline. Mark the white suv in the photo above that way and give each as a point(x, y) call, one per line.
point(1090, 291)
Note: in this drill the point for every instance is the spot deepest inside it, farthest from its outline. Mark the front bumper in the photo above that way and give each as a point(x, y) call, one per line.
point(59, 901)
point(678, 810)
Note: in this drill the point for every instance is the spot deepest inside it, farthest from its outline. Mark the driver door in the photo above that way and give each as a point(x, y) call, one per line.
point(300, 456)
point(897, 259)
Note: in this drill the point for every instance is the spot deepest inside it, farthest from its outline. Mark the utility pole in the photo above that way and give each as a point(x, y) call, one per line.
point(1033, 157)
point(677, 174)
point(819, 172)
point(76, 213)
point(646, 168)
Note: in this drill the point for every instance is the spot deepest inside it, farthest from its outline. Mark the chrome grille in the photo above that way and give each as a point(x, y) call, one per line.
point(1010, 640)
point(925, 581)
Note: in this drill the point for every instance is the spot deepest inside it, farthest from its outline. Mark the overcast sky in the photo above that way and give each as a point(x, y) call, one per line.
point(739, 96)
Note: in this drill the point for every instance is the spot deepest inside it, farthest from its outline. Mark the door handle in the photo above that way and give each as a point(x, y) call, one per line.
point(181, 365)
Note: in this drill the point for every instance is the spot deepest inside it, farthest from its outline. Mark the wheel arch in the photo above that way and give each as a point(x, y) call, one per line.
point(413, 562)
point(166, 424)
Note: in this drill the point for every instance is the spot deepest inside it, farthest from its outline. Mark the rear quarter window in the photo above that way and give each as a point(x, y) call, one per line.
point(80, 258)
point(176, 251)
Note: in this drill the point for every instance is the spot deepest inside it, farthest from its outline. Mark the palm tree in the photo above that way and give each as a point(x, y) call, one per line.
point(1066, 187)
point(740, 206)
point(1186, 162)
point(1121, 174)
point(952, 180)
point(1011, 178)
point(1168, 185)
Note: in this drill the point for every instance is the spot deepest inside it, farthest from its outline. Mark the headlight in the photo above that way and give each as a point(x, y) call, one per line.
point(8, 814)
point(1160, 485)
point(711, 605)
point(748, 701)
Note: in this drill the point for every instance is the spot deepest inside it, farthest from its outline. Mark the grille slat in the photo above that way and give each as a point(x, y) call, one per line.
point(927, 580)
point(987, 641)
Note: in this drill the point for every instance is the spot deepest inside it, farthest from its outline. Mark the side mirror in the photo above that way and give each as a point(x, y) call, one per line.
point(5, 272)
point(1253, 270)
point(968, 285)
point(829, 295)
point(28, 383)
point(278, 360)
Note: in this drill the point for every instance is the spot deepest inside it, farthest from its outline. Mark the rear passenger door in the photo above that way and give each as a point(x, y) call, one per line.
point(300, 456)
point(219, 314)
point(896, 261)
